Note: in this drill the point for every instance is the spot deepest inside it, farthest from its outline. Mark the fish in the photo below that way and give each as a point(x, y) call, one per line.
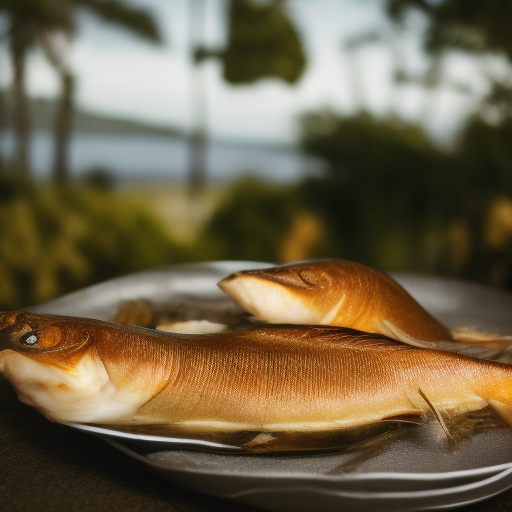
point(267, 379)
point(335, 292)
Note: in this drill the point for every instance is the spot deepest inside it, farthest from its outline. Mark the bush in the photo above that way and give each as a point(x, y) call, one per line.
point(388, 193)
point(56, 240)
point(250, 223)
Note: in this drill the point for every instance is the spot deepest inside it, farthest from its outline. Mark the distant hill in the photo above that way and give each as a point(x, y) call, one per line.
point(43, 118)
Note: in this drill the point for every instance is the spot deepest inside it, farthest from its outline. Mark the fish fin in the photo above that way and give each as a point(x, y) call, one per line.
point(260, 442)
point(471, 350)
point(437, 415)
point(320, 442)
point(496, 351)
point(470, 335)
point(504, 410)
point(464, 426)
point(491, 345)
point(391, 330)
point(415, 418)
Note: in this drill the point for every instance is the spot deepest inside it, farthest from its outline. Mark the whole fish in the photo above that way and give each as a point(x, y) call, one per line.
point(334, 292)
point(266, 379)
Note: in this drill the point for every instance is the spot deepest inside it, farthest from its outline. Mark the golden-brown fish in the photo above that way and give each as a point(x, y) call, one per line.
point(334, 292)
point(290, 379)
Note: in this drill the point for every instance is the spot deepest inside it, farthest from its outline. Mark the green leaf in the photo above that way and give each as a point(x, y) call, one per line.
point(262, 43)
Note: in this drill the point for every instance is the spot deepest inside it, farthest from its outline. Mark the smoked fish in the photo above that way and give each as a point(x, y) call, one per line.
point(334, 292)
point(262, 378)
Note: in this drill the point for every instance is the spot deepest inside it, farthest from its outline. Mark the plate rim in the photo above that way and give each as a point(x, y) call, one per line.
point(382, 475)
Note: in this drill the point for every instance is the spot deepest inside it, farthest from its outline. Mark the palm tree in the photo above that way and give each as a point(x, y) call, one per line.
point(262, 43)
point(198, 136)
point(54, 45)
point(115, 12)
point(27, 19)
point(32, 22)
point(475, 27)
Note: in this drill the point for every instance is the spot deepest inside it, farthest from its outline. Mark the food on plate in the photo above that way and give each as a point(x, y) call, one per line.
point(191, 327)
point(200, 314)
point(264, 379)
point(334, 292)
point(349, 294)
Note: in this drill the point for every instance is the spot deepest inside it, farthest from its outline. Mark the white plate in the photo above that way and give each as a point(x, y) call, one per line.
point(416, 472)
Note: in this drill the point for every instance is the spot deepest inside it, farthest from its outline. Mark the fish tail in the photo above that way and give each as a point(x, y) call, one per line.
point(482, 338)
point(503, 409)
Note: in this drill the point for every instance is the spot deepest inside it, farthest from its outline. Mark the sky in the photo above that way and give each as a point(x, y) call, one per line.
point(120, 75)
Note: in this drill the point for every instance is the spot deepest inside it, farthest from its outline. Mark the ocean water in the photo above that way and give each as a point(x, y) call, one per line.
point(163, 158)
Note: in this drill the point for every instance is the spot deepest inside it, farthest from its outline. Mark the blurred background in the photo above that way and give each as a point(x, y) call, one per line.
point(137, 133)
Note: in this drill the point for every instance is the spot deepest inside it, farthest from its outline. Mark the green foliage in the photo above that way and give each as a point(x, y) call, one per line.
point(486, 153)
point(136, 20)
point(99, 178)
point(36, 15)
point(389, 199)
point(363, 149)
point(8, 186)
point(386, 190)
point(262, 43)
point(57, 240)
point(472, 25)
point(250, 223)
point(31, 16)
point(392, 200)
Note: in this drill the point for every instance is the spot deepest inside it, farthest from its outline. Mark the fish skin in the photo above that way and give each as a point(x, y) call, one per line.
point(334, 292)
point(267, 378)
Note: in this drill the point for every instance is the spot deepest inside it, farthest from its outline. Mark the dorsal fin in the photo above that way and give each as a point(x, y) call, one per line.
point(317, 334)
point(391, 330)
point(437, 416)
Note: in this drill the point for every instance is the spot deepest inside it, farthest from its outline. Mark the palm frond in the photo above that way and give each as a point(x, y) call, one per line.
point(139, 21)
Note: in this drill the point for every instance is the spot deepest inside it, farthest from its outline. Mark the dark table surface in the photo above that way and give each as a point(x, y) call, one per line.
point(50, 467)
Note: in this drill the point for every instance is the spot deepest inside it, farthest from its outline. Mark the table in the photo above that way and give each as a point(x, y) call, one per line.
point(49, 467)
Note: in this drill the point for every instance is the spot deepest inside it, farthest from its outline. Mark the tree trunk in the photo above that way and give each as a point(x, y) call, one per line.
point(198, 138)
point(63, 126)
point(21, 110)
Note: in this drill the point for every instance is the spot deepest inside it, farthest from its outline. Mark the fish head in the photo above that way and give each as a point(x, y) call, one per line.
point(48, 359)
point(296, 293)
point(56, 341)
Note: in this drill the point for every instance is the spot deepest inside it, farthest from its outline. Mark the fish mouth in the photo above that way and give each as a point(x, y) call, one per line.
point(269, 300)
point(299, 279)
point(79, 394)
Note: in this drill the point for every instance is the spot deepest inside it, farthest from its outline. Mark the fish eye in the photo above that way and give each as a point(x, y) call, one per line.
point(30, 339)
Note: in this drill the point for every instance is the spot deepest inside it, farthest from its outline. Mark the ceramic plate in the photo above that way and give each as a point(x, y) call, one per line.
point(413, 470)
